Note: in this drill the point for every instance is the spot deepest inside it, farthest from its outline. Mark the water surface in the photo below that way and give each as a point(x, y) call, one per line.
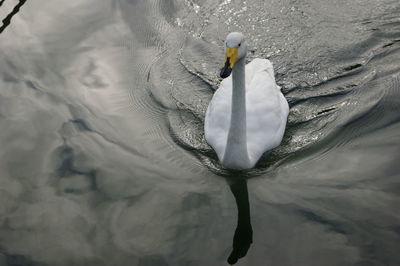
point(103, 159)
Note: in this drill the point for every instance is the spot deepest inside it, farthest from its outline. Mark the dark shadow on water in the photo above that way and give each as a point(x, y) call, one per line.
point(7, 259)
point(7, 19)
point(243, 237)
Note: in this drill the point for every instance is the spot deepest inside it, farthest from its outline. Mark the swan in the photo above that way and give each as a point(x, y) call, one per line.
point(247, 114)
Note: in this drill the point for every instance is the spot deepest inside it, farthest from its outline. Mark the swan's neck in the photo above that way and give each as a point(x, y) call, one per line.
point(236, 156)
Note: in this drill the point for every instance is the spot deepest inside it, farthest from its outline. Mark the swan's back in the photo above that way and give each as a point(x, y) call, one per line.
point(266, 112)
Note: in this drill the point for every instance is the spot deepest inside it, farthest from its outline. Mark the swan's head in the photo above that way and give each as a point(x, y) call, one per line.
point(236, 49)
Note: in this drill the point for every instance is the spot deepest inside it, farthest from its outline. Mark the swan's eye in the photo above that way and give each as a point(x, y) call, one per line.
point(239, 44)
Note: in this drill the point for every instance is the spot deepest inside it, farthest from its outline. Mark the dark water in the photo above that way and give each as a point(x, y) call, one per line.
point(103, 159)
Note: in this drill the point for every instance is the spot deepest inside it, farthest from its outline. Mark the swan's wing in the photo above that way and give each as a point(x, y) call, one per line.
point(217, 120)
point(267, 110)
point(255, 67)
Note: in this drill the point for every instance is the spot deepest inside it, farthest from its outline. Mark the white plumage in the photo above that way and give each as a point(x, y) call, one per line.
point(266, 114)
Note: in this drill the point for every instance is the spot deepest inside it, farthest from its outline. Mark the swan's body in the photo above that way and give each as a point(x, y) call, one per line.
point(247, 114)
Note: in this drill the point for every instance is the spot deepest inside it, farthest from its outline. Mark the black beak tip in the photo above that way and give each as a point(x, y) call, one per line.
point(225, 72)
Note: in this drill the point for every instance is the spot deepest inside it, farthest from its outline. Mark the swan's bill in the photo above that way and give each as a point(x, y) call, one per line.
point(232, 54)
point(230, 60)
point(226, 70)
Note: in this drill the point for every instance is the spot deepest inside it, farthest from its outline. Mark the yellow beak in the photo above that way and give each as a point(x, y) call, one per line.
point(232, 55)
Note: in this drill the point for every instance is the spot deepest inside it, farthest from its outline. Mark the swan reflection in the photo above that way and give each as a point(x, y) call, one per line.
point(244, 233)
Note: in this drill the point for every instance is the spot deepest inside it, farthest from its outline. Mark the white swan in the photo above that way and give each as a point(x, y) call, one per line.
point(247, 114)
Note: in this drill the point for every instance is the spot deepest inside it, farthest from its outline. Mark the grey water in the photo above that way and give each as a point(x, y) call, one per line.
point(102, 153)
